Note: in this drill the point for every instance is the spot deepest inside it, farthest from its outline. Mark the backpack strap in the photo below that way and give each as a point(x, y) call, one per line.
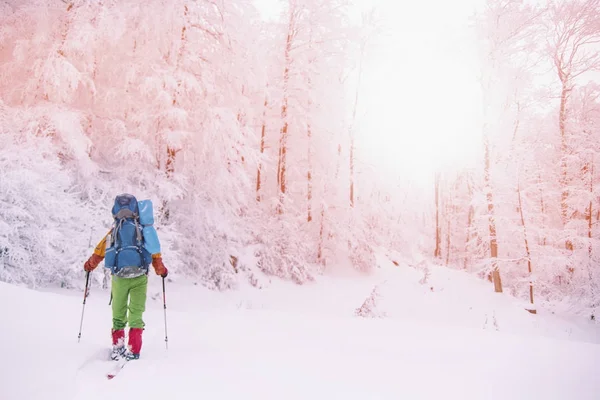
point(138, 233)
point(118, 225)
point(113, 234)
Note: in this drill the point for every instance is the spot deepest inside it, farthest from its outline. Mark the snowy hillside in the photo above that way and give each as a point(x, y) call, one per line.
point(311, 165)
point(255, 132)
point(434, 340)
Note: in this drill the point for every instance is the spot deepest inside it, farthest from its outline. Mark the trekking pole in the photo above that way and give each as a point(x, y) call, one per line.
point(85, 293)
point(165, 311)
point(110, 301)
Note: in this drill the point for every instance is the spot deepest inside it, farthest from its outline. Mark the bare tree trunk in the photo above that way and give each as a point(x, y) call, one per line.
point(309, 136)
point(171, 152)
point(180, 51)
point(281, 167)
point(491, 222)
point(448, 236)
point(562, 118)
point(309, 175)
point(564, 181)
point(169, 169)
point(339, 161)
point(65, 30)
point(528, 252)
point(469, 224)
point(543, 208)
point(61, 49)
point(170, 164)
point(352, 170)
point(590, 235)
point(262, 149)
point(281, 164)
point(449, 216)
point(590, 211)
point(438, 251)
point(360, 70)
point(321, 230)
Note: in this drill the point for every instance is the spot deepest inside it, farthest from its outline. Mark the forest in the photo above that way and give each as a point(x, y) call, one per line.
point(249, 132)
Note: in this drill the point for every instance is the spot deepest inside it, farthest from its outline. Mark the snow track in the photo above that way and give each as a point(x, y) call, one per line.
point(220, 351)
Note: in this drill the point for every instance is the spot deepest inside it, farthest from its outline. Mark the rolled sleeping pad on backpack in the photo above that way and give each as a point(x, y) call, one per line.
point(146, 212)
point(151, 242)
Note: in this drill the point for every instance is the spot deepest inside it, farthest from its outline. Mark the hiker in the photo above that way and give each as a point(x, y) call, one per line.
point(128, 249)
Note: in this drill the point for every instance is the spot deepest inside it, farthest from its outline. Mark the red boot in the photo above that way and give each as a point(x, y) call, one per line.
point(135, 343)
point(118, 341)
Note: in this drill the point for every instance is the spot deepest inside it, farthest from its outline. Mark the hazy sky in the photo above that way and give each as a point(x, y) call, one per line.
point(419, 98)
point(421, 94)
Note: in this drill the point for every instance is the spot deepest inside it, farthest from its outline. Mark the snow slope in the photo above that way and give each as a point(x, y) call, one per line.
point(293, 342)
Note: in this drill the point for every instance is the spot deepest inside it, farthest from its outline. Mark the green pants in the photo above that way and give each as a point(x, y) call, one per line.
point(129, 294)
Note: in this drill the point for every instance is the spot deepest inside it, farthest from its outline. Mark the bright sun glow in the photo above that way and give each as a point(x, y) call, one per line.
point(419, 100)
point(420, 94)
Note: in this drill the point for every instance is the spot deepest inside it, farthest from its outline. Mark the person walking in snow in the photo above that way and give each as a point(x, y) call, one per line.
point(128, 249)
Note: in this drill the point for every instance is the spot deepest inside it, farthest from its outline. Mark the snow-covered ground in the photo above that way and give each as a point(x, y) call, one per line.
point(448, 336)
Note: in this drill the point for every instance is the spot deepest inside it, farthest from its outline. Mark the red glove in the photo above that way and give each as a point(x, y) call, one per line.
point(92, 262)
point(159, 267)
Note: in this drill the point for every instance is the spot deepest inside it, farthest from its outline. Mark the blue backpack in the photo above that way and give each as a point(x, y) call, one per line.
point(133, 238)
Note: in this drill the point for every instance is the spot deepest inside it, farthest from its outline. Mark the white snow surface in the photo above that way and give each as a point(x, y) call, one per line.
point(450, 337)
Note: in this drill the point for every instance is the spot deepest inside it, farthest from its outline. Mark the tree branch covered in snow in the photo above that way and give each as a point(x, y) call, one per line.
point(180, 102)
